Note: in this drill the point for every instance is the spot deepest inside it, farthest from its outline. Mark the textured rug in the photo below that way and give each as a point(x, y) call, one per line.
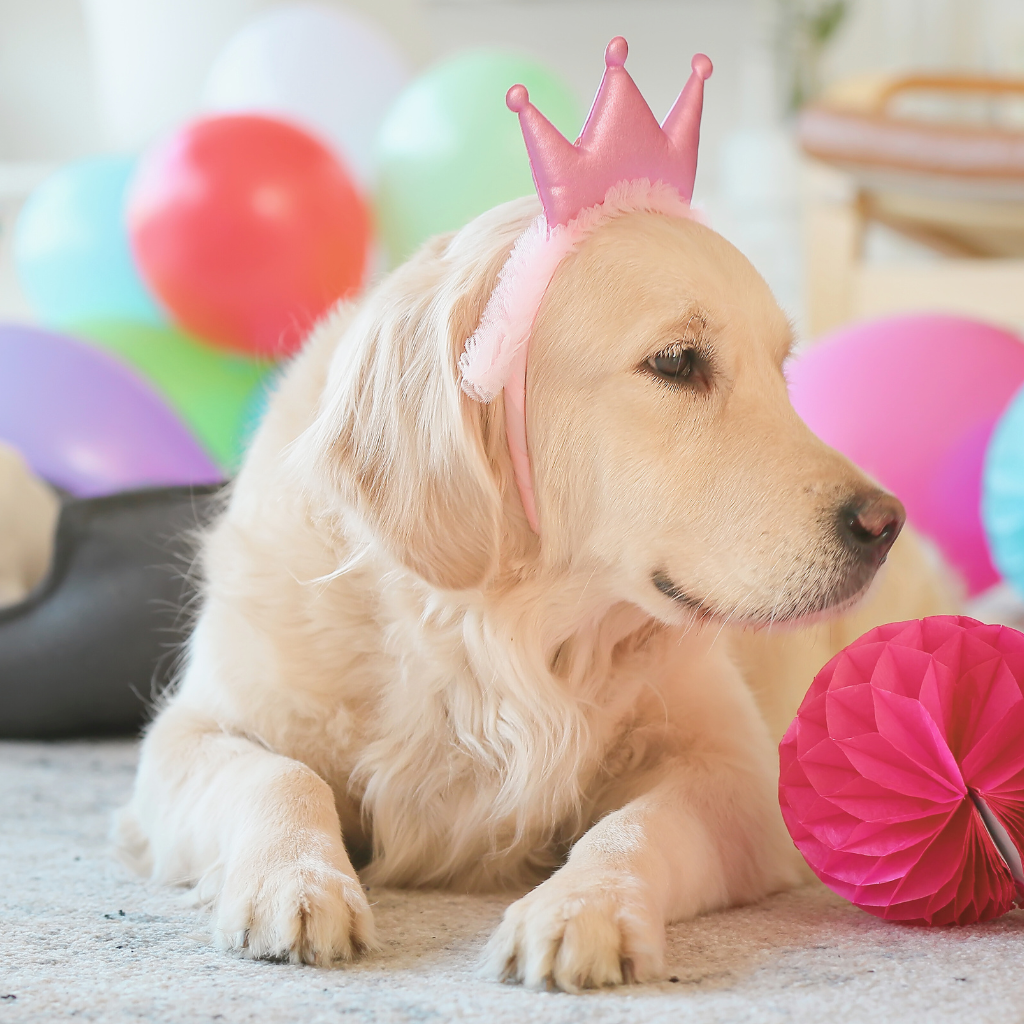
point(82, 938)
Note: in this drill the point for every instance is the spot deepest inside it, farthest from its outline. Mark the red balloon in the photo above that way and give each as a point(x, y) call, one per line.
point(248, 229)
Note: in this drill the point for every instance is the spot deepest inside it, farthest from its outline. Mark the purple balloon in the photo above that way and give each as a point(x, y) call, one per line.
point(87, 423)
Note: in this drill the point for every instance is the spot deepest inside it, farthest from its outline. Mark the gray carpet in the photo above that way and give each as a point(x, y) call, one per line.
point(81, 938)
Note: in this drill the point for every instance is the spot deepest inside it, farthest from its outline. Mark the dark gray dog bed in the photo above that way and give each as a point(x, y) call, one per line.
point(88, 650)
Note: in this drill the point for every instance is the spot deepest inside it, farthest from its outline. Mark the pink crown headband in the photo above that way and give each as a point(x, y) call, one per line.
point(623, 162)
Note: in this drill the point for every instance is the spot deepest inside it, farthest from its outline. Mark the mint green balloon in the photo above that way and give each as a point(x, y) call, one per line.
point(213, 391)
point(450, 149)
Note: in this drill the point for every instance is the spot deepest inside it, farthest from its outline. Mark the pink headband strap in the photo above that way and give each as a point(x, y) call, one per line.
point(496, 355)
point(623, 162)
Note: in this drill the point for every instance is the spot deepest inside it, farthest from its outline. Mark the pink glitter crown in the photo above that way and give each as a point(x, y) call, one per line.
point(621, 141)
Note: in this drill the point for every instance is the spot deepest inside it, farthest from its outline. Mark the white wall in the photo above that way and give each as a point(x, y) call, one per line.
point(87, 75)
point(80, 76)
point(985, 35)
point(47, 106)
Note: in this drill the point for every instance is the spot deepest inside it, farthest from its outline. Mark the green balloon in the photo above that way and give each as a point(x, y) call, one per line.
point(211, 390)
point(449, 148)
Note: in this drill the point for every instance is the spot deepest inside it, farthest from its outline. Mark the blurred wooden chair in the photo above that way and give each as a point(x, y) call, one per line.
point(938, 159)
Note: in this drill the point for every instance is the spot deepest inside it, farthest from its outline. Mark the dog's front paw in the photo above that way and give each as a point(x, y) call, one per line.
point(306, 909)
point(575, 932)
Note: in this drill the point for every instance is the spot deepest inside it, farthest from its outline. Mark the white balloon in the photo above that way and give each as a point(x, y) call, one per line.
point(327, 70)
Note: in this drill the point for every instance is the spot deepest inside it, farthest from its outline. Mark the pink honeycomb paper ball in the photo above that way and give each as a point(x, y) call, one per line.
point(902, 775)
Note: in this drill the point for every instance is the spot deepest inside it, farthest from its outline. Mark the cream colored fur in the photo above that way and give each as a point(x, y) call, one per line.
point(28, 517)
point(385, 650)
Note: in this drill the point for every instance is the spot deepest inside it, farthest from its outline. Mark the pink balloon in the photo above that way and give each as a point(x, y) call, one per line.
point(913, 400)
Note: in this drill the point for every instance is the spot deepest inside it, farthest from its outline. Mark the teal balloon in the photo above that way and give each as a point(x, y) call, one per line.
point(71, 248)
point(1002, 500)
point(449, 148)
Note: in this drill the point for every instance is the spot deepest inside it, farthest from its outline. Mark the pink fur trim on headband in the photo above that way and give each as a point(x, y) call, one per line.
point(508, 317)
point(495, 356)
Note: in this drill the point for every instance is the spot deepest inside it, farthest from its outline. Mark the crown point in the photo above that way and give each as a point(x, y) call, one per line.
point(615, 54)
point(702, 66)
point(517, 99)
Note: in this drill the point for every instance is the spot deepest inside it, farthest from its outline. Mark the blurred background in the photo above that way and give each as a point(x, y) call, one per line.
point(186, 185)
point(83, 77)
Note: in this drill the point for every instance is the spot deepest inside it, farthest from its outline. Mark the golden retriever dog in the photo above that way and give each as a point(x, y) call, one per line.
point(390, 668)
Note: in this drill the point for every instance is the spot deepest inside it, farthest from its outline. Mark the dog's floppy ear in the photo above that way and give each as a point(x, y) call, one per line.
point(397, 437)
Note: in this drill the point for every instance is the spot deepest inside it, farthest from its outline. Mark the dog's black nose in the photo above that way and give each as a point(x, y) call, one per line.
point(870, 523)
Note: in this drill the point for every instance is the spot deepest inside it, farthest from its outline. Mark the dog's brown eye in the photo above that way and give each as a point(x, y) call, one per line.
point(679, 365)
point(676, 365)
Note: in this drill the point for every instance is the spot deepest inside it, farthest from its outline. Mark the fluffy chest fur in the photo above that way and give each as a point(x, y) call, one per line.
point(470, 740)
point(489, 755)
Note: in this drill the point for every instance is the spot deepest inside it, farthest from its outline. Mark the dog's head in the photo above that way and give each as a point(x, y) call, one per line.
point(663, 438)
point(667, 460)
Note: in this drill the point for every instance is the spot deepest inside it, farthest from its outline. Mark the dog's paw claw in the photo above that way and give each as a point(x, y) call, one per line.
point(570, 934)
point(306, 911)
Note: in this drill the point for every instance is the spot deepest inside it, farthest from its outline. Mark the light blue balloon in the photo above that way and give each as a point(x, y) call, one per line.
point(1002, 501)
point(71, 247)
